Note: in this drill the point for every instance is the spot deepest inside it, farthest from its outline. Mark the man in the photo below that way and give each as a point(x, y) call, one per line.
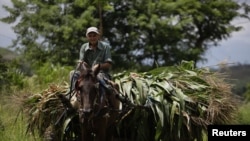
point(95, 53)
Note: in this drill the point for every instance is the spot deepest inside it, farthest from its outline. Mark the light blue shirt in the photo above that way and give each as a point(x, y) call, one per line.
point(102, 54)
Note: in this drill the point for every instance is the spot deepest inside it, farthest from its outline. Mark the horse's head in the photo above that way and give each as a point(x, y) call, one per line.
point(87, 89)
point(93, 104)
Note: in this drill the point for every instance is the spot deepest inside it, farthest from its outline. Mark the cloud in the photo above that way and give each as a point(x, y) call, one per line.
point(6, 32)
point(2, 10)
point(235, 50)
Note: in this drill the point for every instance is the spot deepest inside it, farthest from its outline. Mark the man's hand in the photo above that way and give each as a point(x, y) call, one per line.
point(96, 66)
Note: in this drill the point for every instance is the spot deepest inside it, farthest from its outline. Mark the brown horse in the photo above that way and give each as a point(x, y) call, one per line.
point(97, 107)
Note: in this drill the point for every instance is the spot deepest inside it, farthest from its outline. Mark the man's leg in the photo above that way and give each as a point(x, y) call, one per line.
point(73, 76)
point(104, 80)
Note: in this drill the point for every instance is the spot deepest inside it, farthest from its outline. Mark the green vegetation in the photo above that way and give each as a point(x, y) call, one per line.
point(11, 77)
point(244, 114)
point(247, 93)
point(14, 85)
point(12, 125)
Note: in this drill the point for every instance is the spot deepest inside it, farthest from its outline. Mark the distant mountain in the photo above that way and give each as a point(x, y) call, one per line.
point(239, 76)
point(7, 54)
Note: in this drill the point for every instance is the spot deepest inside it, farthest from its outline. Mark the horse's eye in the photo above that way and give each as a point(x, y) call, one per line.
point(78, 88)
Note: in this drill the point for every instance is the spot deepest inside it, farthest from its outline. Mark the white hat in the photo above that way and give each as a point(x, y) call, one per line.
point(92, 29)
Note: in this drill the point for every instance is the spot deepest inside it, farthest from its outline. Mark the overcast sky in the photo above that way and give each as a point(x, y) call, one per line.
point(235, 50)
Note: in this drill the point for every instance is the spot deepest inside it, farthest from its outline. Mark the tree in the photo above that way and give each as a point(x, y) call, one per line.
point(141, 32)
point(50, 30)
point(167, 31)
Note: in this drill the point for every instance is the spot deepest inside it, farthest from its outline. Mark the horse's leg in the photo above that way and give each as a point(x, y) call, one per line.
point(101, 126)
point(83, 132)
point(110, 131)
point(86, 133)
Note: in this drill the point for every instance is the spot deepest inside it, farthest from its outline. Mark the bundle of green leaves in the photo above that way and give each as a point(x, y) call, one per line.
point(182, 100)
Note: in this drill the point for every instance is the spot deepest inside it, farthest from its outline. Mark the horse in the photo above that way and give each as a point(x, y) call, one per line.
point(97, 107)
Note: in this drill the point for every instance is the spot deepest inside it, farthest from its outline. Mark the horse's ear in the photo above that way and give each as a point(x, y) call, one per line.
point(82, 66)
point(85, 65)
point(96, 69)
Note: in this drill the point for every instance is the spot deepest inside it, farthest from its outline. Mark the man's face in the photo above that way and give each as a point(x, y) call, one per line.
point(92, 37)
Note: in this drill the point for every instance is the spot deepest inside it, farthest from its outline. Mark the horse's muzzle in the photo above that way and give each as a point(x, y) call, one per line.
point(87, 111)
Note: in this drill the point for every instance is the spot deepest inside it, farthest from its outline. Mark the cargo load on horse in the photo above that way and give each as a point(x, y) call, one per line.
point(168, 103)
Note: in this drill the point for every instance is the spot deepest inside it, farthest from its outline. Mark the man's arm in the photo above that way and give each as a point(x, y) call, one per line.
point(103, 66)
point(82, 51)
